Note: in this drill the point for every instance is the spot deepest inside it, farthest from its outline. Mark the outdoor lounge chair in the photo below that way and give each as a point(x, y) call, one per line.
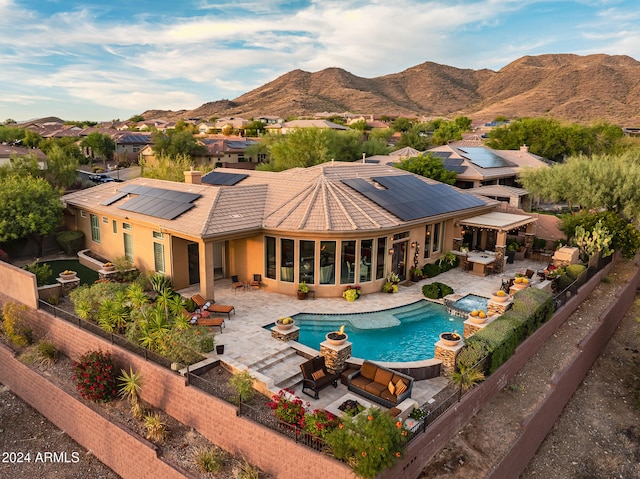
point(211, 323)
point(211, 307)
point(316, 377)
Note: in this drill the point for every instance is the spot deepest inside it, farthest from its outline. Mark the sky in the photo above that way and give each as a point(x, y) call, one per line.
point(97, 60)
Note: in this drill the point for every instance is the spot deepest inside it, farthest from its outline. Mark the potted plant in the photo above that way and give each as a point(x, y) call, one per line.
point(303, 289)
point(393, 278)
point(67, 274)
point(416, 274)
point(478, 316)
point(499, 296)
point(285, 323)
point(337, 337)
point(109, 266)
point(450, 339)
point(351, 293)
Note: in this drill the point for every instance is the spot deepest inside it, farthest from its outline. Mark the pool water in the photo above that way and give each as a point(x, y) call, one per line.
point(470, 302)
point(406, 333)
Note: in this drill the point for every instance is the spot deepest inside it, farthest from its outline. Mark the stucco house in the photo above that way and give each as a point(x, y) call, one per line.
point(330, 225)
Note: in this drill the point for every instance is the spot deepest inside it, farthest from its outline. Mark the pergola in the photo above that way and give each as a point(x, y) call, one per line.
point(501, 223)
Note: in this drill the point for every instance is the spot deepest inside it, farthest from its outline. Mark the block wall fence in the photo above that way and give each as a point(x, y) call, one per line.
point(214, 418)
point(219, 422)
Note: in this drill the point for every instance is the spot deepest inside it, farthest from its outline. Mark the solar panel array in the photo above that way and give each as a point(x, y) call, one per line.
point(223, 179)
point(410, 198)
point(156, 202)
point(484, 157)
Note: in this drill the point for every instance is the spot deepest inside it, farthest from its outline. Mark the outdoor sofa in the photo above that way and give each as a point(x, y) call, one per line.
point(379, 384)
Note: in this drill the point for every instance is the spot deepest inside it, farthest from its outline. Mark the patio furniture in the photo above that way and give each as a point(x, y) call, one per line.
point(315, 376)
point(214, 308)
point(257, 281)
point(211, 323)
point(382, 385)
point(236, 283)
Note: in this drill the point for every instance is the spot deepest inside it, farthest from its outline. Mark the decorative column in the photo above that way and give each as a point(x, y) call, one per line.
point(447, 354)
point(499, 263)
point(291, 334)
point(335, 357)
point(497, 307)
point(457, 244)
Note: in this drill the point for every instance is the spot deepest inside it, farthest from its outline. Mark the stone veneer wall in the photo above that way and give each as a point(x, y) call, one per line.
point(335, 357)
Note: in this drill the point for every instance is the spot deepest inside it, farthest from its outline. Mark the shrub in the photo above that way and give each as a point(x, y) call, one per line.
point(287, 407)
point(156, 429)
point(574, 270)
point(242, 383)
point(47, 353)
point(320, 423)
point(210, 459)
point(43, 272)
point(94, 375)
point(70, 241)
point(160, 282)
point(15, 324)
point(436, 290)
point(130, 386)
point(431, 270)
point(466, 378)
point(369, 442)
point(244, 470)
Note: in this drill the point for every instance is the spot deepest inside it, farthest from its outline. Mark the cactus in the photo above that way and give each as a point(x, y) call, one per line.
point(596, 240)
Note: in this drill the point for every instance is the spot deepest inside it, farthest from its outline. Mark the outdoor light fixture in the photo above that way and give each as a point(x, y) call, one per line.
point(391, 251)
point(413, 245)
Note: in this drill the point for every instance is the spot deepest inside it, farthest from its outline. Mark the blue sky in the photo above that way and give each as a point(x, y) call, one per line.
point(100, 60)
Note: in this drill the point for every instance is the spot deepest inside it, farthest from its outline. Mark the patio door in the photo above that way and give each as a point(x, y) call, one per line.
point(399, 259)
point(194, 263)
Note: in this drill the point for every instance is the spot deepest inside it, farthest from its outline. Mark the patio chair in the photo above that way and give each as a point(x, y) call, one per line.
point(257, 281)
point(236, 283)
point(316, 377)
point(529, 273)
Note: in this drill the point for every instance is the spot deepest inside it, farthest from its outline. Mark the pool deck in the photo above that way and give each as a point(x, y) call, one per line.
point(249, 345)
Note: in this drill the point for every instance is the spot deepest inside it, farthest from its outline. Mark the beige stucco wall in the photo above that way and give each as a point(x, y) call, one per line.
point(19, 284)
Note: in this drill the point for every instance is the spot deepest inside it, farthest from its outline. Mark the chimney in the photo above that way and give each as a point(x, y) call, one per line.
point(194, 177)
point(524, 149)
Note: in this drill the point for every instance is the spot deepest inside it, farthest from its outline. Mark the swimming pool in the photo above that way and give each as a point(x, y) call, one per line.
point(406, 333)
point(466, 304)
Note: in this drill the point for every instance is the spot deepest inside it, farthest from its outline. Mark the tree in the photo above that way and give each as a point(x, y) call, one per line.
point(176, 142)
point(429, 166)
point(100, 145)
point(401, 124)
point(136, 118)
point(447, 131)
point(301, 148)
point(21, 165)
point(29, 208)
point(168, 167)
point(61, 167)
point(416, 137)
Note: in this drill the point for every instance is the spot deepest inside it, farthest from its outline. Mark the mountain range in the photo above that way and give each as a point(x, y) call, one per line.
point(568, 87)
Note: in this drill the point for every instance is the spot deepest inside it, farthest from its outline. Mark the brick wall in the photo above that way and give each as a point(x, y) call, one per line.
point(212, 417)
point(107, 441)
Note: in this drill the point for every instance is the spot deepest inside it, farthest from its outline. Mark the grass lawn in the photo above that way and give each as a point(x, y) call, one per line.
point(86, 275)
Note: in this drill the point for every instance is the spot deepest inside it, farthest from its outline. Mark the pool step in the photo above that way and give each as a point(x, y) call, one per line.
point(283, 367)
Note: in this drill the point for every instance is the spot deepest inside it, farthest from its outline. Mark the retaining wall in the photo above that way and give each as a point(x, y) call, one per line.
point(440, 432)
point(212, 417)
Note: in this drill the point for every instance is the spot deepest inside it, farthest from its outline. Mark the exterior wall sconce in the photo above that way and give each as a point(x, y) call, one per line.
point(391, 251)
point(413, 245)
point(462, 232)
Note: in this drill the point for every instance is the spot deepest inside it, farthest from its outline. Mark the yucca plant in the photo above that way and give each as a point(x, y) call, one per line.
point(156, 430)
point(467, 378)
point(130, 386)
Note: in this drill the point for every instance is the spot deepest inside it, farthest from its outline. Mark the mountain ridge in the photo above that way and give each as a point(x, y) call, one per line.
point(569, 87)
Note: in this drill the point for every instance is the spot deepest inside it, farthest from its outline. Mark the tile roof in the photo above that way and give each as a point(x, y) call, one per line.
point(311, 199)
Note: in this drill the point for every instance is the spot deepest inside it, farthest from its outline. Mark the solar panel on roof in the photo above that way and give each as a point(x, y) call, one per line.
point(223, 179)
point(113, 199)
point(157, 202)
point(409, 198)
point(484, 157)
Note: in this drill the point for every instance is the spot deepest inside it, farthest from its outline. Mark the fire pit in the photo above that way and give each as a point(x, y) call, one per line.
point(351, 406)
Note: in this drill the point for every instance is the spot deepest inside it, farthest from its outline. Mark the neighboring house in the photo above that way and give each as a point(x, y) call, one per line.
point(7, 152)
point(297, 124)
point(228, 153)
point(330, 225)
point(269, 120)
point(129, 145)
point(479, 166)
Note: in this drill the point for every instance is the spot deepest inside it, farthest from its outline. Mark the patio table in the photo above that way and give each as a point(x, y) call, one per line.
point(480, 262)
